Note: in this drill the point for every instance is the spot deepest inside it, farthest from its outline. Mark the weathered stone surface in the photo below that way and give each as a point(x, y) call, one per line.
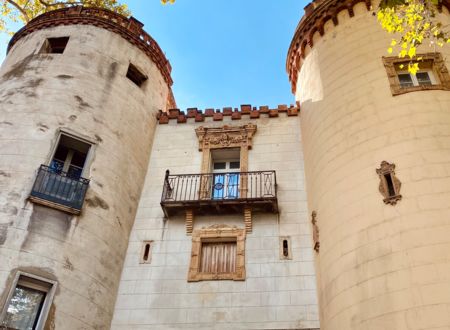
point(84, 90)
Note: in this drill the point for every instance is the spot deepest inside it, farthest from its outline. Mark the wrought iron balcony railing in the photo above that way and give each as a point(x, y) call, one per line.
point(58, 189)
point(220, 192)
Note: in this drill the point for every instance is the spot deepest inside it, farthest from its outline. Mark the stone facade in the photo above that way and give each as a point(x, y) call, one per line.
point(359, 207)
point(277, 293)
point(83, 91)
point(380, 266)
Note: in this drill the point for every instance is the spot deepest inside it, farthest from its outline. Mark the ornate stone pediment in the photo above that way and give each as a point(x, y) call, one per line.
point(389, 184)
point(225, 136)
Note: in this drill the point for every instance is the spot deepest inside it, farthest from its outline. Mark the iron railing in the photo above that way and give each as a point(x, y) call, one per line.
point(60, 187)
point(219, 187)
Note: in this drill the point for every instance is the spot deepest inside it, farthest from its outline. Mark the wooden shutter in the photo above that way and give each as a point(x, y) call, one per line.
point(218, 257)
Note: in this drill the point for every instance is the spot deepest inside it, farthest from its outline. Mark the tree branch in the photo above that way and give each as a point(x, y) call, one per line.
point(49, 5)
point(22, 10)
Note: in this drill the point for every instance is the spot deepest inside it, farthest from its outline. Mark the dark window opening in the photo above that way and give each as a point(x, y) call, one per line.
point(405, 80)
point(146, 252)
point(285, 248)
point(390, 184)
point(423, 78)
point(135, 75)
point(24, 309)
point(55, 45)
point(70, 157)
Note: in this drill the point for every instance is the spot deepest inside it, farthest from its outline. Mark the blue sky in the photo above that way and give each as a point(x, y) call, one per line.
point(222, 52)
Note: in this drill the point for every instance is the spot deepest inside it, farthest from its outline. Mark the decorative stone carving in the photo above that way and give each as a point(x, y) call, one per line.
point(217, 233)
point(315, 231)
point(225, 137)
point(433, 62)
point(189, 221)
point(248, 219)
point(389, 184)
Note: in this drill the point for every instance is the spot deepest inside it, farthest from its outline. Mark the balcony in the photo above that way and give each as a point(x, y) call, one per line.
point(60, 190)
point(220, 193)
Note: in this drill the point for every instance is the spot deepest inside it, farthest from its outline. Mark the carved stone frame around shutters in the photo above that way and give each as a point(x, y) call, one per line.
point(388, 170)
point(437, 67)
point(218, 233)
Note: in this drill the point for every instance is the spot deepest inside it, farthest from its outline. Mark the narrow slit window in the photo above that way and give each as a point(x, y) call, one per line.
point(55, 45)
point(390, 184)
point(135, 75)
point(146, 253)
point(285, 248)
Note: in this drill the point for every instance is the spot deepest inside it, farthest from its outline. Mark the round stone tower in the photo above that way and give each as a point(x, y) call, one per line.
point(377, 158)
point(79, 93)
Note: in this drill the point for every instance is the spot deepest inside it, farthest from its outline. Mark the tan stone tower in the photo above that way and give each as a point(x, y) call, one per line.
point(377, 159)
point(79, 92)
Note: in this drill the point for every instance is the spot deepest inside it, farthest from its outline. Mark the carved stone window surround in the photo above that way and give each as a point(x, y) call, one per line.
point(213, 138)
point(438, 68)
point(217, 233)
point(389, 184)
point(210, 138)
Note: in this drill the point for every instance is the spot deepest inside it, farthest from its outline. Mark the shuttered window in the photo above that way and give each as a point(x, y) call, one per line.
point(218, 257)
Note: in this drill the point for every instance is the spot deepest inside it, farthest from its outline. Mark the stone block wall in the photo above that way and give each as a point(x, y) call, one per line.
point(277, 294)
point(85, 91)
point(380, 266)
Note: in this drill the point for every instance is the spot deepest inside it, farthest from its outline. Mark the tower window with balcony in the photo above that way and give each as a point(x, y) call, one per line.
point(61, 184)
point(225, 173)
point(432, 74)
point(28, 303)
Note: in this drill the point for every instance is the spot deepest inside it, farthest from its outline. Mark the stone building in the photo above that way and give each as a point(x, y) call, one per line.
point(119, 211)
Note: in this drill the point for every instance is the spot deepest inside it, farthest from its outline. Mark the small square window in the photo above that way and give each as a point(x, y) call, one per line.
point(405, 80)
point(424, 78)
point(135, 75)
point(432, 75)
point(54, 45)
point(28, 302)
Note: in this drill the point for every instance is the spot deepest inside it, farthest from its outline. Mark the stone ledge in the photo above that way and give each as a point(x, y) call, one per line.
point(218, 115)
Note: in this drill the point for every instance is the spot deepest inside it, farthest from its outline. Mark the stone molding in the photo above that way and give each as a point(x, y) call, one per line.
point(316, 237)
point(218, 233)
point(438, 68)
point(128, 28)
point(389, 169)
point(317, 13)
point(218, 115)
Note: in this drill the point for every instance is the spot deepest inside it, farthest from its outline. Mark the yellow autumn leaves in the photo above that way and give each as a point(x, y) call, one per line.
point(411, 22)
point(25, 10)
